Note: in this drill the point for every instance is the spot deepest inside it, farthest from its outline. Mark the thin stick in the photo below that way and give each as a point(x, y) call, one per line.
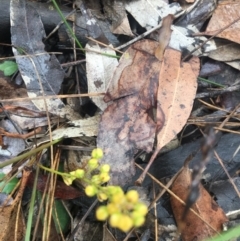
point(52, 97)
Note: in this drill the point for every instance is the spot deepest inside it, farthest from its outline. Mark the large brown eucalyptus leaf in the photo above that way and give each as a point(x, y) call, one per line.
point(176, 92)
point(127, 124)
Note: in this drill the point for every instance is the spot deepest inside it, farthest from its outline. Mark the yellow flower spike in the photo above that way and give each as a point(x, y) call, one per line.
point(97, 153)
point(91, 190)
point(132, 196)
point(102, 213)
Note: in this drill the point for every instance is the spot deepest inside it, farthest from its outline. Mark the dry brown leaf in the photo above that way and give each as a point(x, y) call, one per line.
point(226, 12)
point(193, 227)
point(176, 93)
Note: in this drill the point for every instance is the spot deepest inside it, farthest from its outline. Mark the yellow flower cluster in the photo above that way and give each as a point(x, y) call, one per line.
point(124, 211)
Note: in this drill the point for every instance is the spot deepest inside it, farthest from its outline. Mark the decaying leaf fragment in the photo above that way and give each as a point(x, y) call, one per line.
point(193, 228)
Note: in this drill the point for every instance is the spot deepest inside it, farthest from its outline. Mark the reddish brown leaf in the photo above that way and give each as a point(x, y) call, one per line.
point(62, 191)
point(193, 228)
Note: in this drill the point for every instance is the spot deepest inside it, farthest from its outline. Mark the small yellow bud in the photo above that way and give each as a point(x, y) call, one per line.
point(102, 196)
point(125, 223)
point(139, 221)
point(112, 208)
point(96, 179)
point(114, 219)
point(114, 189)
point(104, 177)
point(68, 179)
point(105, 168)
point(118, 198)
point(90, 190)
point(102, 213)
point(97, 153)
point(79, 173)
point(72, 173)
point(93, 163)
point(132, 196)
point(141, 209)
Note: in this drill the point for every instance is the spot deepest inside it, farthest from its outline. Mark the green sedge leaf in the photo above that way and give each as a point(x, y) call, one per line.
point(231, 234)
point(9, 186)
point(60, 217)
